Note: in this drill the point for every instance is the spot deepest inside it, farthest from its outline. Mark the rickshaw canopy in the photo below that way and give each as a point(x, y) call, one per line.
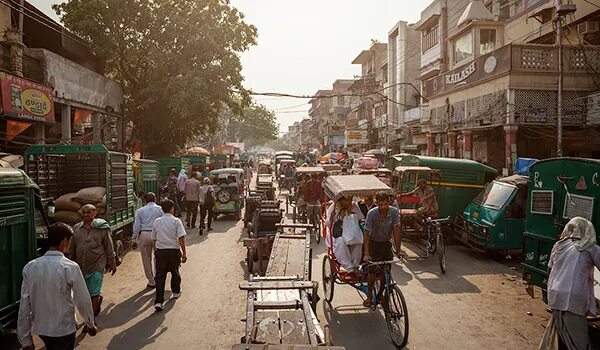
point(227, 172)
point(284, 153)
point(337, 187)
point(287, 161)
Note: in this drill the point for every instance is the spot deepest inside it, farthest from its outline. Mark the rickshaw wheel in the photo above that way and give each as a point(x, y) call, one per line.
point(396, 317)
point(317, 231)
point(328, 279)
point(120, 252)
point(441, 250)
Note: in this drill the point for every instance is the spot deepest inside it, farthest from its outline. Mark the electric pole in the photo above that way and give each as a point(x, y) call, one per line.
point(561, 11)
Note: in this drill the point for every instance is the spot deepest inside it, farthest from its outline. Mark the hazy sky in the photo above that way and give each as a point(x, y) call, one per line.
point(305, 45)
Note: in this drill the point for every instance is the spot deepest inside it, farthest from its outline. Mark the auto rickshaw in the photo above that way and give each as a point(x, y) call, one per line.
point(279, 156)
point(229, 191)
point(383, 174)
point(495, 219)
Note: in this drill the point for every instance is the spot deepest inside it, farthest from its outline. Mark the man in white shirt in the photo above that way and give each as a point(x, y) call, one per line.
point(52, 287)
point(168, 234)
point(142, 234)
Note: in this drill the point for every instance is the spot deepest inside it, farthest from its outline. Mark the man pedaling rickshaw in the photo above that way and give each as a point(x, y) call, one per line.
point(427, 201)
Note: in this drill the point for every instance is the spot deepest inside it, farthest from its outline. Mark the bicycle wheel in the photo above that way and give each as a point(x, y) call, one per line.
point(328, 279)
point(396, 316)
point(431, 238)
point(441, 251)
point(316, 228)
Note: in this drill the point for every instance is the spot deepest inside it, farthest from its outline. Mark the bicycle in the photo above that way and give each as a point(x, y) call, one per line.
point(314, 218)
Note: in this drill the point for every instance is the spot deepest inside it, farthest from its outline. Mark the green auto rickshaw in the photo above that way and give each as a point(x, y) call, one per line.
point(495, 219)
point(558, 190)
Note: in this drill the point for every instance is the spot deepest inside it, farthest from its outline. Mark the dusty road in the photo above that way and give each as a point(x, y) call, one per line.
point(478, 304)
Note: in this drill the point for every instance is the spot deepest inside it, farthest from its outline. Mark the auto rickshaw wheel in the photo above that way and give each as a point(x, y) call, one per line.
point(328, 279)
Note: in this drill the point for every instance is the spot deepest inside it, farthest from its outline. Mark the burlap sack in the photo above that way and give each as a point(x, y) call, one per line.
point(90, 195)
point(101, 204)
point(67, 216)
point(66, 202)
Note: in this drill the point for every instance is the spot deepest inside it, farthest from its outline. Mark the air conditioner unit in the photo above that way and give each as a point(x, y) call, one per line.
point(588, 27)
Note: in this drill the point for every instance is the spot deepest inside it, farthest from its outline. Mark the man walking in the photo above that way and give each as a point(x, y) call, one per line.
point(168, 234)
point(142, 234)
point(92, 249)
point(382, 221)
point(52, 288)
point(207, 202)
point(191, 189)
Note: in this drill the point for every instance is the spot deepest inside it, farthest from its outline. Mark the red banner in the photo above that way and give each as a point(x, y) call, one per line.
point(26, 100)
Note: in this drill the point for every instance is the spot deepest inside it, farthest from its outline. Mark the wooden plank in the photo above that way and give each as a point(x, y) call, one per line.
point(249, 315)
point(295, 258)
point(278, 305)
point(267, 324)
point(278, 259)
point(284, 347)
point(293, 327)
point(245, 285)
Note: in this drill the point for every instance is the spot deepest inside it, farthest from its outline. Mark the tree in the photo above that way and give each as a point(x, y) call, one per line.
point(177, 61)
point(254, 126)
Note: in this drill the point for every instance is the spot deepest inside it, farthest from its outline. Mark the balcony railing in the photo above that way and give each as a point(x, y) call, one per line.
point(544, 58)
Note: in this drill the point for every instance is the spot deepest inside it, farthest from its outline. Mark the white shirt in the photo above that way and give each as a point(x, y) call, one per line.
point(47, 306)
point(204, 189)
point(166, 232)
point(181, 182)
point(144, 218)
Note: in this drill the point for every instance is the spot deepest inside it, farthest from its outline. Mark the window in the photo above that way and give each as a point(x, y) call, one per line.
point(576, 205)
point(463, 48)
point(503, 9)
point(487, 41)
point(542, 202)
point(341, 100)
point(430, 38)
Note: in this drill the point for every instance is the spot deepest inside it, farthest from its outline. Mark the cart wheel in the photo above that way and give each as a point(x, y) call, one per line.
point(441, 251)
point(317, 231)
point(396, 316)
point(120, 252)
point(250, 261)
point(328, 279)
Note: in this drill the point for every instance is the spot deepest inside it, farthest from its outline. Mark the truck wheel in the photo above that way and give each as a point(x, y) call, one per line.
point(120, 251)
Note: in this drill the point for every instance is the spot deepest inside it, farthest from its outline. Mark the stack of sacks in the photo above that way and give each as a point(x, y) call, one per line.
point(68, 206)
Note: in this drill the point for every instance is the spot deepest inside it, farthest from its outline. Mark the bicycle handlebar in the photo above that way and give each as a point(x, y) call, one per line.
point(435, 221)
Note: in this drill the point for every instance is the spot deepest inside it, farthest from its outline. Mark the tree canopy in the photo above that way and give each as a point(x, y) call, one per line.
point(254, 126)
point(177, 61)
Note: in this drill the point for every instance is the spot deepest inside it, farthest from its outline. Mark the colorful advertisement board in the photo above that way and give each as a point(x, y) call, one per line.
point(26, 100)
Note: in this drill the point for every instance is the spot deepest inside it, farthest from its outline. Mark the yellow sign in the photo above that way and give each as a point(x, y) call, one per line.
point(36, 102)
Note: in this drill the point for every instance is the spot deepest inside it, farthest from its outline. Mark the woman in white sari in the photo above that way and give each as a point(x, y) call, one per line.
point(348, 255)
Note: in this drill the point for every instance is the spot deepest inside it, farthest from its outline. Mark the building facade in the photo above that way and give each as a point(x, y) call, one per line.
point(490, 75)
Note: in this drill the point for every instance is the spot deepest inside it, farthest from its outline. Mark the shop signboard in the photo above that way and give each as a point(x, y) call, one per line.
point(483, 67)
point(25, 100)
point(357, 137)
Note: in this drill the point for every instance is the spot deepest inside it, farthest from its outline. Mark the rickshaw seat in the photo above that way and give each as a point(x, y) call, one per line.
point(409, 199)
point(408, 211)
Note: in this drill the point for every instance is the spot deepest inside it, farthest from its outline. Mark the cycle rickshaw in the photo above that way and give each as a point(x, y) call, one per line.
point(427, 234)
point(387, 293)
point(292, 198)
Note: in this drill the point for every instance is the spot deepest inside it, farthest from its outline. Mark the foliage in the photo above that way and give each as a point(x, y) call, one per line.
point(254, 126)
point(177, 61)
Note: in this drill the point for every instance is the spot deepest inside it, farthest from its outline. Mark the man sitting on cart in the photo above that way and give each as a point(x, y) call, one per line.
point(428, 202)
point(382, 221)
point(348, 254)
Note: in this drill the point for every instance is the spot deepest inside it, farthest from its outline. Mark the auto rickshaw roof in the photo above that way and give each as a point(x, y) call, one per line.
point(283, 157)
point(310, 169)
point(226, 171)
point(280, 153)
point(15, 178)
point(339, 186)
point(401, 169)
point(287, 161)
point(517, 180)
point(446, 163)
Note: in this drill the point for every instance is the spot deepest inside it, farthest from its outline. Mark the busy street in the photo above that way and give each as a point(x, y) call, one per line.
point(294, 175)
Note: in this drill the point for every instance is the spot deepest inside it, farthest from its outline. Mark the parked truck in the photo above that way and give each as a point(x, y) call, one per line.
point(22, 225)
point(64, 169)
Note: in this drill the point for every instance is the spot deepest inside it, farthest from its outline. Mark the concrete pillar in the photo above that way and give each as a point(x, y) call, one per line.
point(97, 123)
point(510, 153)
point(430, 144)
point(39, 133)
point(66, 124)
point(467, 144)
point(452, 144)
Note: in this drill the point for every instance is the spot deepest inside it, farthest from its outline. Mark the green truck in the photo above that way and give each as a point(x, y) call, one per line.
point(558, 190)
point(167, 163)
point(62, 169)
point(147, 176)
point(22, 223)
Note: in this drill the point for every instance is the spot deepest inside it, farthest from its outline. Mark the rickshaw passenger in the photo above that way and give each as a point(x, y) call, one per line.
point(348, 256)
point(382, 221)
point(366, 204)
